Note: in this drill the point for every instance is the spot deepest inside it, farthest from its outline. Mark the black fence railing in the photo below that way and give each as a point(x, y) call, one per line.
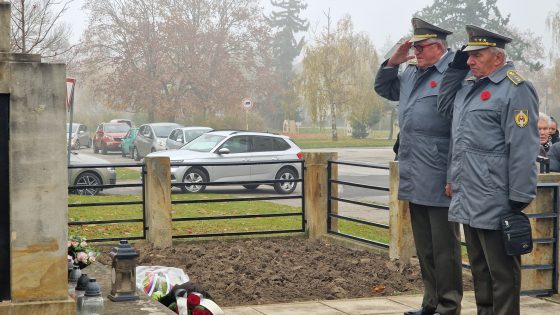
point(99, 173)
point(331, 198)
point(297, 170)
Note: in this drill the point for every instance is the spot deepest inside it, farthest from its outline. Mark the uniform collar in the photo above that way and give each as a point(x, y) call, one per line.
point(443, 62)
point(496, 76)
point(500, 74)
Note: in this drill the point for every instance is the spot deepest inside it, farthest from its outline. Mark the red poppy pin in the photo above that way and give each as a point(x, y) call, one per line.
point(433, 84)
point(485, 95)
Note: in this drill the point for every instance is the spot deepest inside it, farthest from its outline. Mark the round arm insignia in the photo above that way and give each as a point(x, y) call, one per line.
point(521, 117)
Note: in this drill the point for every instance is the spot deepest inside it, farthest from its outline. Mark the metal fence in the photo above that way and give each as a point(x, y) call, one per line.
point(78, 188)
point(300, 170)
point(285, 163)
point(333, 197)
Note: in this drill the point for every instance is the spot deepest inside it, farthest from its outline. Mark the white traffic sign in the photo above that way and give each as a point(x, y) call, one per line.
point(247, 103)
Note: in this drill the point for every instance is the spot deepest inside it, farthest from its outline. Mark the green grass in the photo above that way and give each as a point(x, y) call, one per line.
point(124, 173)
point(124, 230)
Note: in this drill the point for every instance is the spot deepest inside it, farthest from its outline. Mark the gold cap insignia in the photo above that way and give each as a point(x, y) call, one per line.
point(521, 117)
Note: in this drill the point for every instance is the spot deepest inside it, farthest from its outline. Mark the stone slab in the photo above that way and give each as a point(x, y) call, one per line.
point(367, 306)
point(241, 310)
point(303, 308)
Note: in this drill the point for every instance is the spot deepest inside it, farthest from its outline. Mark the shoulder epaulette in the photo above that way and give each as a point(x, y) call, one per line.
point(515, 77)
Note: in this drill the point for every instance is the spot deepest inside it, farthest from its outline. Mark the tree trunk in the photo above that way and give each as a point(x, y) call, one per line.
point(333, 122)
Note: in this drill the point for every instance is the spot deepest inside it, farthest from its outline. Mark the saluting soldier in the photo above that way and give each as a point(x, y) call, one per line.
point(493, 170)
point(423, 155)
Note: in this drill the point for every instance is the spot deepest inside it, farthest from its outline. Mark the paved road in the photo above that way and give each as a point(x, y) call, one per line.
point(380, 156)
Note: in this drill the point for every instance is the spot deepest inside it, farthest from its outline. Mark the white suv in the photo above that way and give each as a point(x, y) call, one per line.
point(235, 147)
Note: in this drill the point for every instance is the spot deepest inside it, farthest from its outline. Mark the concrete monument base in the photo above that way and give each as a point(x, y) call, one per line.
point(66, 307)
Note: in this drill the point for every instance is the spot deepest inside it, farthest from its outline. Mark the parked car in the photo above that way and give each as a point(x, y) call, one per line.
point(126, 142)
point(80, 136)
point(108, 137)
point(178, 137)
point(89, 176)
point(151, 138)
point(122, 120)
point(235, 146)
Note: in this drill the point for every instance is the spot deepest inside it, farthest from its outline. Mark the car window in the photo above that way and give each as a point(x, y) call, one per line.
point(180, 135)
point(204, 143)
point(193, 134)
point(74, 127)
point(280, 144)
point(163, 131)
point(146, 132)
point(263, 144)
point(116, 128)
point(238, 144)
point(173, 135)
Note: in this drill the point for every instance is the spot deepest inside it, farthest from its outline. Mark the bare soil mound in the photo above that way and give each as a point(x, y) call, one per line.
point(278, 270)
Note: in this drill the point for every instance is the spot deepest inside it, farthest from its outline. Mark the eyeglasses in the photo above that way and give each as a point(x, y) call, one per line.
point(420, 48)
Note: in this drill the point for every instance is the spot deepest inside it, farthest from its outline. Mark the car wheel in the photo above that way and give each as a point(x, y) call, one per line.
point(87, 179)
point(251, 187)
point(285, 187)
point(77, 145)
point(95, 149)
point(135, 154)
point(104, 148)
point(194, 175)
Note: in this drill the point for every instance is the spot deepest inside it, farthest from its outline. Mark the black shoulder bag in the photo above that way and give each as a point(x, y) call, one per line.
point(516, 232)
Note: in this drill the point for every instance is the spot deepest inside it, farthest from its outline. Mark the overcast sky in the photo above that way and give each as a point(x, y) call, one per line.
point(383, 19)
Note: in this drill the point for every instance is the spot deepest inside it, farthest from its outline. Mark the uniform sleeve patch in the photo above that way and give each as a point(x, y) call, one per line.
point(515, 77)
point(521, 117)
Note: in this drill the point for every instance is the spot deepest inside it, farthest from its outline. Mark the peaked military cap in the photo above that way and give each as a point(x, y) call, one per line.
point(480, 38)
point(424, 30)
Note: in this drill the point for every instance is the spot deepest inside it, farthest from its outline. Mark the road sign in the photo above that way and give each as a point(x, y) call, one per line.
point(247, 103)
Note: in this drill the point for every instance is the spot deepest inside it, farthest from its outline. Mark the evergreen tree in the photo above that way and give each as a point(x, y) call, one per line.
point(286, 23)
point(453, 15)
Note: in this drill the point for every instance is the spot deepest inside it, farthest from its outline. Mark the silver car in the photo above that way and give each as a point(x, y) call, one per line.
point(235, 147)
point(80, 136)
point(180, 136)
point(151, 138)
point(89, 176)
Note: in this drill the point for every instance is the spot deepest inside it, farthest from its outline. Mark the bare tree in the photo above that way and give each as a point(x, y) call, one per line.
point(37, 28)
point(177, 60)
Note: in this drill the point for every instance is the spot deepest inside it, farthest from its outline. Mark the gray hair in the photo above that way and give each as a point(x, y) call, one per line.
point(544, 117)
point(496, 51)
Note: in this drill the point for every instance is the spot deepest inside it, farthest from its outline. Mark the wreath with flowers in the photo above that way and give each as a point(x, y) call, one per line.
point(80, 252)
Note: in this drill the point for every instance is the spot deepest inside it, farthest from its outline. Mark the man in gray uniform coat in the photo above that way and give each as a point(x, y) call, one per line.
point(423, 155)
point(492, 169)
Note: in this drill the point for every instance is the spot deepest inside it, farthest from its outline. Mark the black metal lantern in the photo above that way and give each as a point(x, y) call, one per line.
point(123, 273)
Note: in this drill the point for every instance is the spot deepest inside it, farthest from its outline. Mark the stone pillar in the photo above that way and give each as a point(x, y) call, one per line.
point(316, 193)
point(401, 244)
point(542, 254)
point(158, 201)
point(5, 26)
point(32, 98)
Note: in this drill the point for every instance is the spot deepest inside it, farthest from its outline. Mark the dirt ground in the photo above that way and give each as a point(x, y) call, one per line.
point(278, 270)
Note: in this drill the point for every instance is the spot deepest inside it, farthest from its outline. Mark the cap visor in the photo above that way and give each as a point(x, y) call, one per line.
point(473, 48)
point(417, 39)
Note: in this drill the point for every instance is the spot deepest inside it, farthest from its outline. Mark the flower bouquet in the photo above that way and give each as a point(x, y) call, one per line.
point(80, 252)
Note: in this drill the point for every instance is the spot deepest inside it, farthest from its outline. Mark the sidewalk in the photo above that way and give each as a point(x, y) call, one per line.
point(392, 305)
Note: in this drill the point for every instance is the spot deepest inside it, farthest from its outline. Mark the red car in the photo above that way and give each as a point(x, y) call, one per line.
point(108, 137)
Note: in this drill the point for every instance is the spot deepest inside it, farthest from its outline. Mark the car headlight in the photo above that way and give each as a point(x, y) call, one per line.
point(161, 142)
point(111, 169)
point(109, 138)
